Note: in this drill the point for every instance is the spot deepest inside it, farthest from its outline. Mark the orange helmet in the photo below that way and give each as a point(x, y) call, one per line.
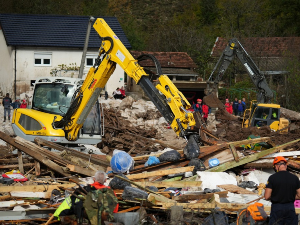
point(278, 159)
point(199, 100)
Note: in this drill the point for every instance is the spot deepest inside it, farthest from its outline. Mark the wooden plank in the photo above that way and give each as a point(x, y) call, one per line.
point(223, 157)
point(153, 198)
point(27, 194)
point(235, 189)
point(34, 188)
point(130, 209)
point(250, 158)
point(160, 173)
point(37, 167)
point(16, 166)
point(4, 204)
point(81, 170)
point(184, 198)
point(34, 153)
point(234, 152)
point(178, 184)
point(20, 162)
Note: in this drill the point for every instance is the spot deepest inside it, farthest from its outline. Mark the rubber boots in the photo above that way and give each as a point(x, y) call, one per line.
point(4, 119)
point(9, 118)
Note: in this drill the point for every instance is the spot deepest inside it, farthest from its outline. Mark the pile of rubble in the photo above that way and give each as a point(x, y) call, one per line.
point(165, 186)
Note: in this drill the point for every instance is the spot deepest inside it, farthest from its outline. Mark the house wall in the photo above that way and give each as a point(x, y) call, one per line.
point(27, 71)
point(6, 67)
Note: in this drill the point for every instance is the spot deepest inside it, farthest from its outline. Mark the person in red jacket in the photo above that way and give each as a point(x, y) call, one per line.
point(24, 104)
point(122, 90)
point(205, 111)
point(228, 106)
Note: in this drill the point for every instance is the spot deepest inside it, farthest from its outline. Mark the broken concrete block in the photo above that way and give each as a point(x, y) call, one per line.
point(126, 103)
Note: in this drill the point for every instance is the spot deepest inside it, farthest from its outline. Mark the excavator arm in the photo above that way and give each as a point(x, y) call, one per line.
point(165, 96)
point(235, 49)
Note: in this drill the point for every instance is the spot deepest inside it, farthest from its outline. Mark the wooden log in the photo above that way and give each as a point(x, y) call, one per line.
point(20, 162)
point(160, 173)
point(178, 184)
point(250, 158)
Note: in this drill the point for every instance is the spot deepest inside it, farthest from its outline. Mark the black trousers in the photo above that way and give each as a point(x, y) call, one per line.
point(283, 214)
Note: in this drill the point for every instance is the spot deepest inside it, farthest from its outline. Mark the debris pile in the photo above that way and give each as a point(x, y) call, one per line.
point(159, 183)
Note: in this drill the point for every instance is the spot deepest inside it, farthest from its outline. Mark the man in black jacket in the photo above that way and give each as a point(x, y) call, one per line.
point(282, 189)
point(6, 103)
point(235, 106)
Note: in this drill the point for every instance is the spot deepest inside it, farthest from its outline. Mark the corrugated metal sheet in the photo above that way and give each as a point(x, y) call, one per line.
point(54, 31)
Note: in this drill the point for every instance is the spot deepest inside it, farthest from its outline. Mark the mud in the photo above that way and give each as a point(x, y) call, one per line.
point(228, 130)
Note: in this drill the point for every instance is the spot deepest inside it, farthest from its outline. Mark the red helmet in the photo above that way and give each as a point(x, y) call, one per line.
point(199, 100)
point(278, 159)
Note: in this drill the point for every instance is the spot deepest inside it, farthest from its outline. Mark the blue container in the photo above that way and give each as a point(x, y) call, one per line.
point(213, 162)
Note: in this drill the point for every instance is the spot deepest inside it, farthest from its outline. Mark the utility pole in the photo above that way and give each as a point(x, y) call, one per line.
point(85, 46)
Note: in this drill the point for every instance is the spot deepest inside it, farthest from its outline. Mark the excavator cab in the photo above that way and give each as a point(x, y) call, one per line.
point(52, 98)
point(262, 114)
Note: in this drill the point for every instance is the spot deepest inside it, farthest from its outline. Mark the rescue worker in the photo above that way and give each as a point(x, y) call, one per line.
point(6, 103)
point(282, 189)
point(198, 106)
point(72, 205)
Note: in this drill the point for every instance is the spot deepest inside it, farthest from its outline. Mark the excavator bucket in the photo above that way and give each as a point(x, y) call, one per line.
point(212, 101)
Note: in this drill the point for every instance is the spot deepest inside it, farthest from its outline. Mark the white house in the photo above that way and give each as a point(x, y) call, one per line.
point(33, 46)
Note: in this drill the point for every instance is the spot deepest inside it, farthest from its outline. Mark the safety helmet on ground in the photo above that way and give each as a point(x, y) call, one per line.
point(199, 100)
point(278, 159)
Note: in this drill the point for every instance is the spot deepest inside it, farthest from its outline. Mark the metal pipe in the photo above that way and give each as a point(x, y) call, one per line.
point(85, 46)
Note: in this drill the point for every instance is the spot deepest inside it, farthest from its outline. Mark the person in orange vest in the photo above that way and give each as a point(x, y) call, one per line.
point(228, 106)
point(282, 189)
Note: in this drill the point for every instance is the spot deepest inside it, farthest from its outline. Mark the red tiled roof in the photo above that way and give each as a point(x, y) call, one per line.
point(167, 59)
point(262, 46)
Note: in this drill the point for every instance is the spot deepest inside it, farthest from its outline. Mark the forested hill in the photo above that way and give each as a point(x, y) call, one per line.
point(180, 25)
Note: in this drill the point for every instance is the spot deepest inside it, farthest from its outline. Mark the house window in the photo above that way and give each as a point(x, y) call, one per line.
point(90, 60)
point(42, 59)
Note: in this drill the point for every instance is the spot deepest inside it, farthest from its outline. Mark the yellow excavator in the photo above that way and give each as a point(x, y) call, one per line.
point(61, 106)
point(261, 111)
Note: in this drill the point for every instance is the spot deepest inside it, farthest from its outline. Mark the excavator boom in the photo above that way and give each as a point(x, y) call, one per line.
point(167, 98)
